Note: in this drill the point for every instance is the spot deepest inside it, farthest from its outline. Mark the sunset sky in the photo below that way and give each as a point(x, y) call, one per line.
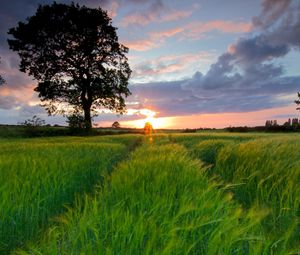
point(205, 63)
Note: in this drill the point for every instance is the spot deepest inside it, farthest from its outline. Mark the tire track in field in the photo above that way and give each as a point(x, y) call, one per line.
point(265, 184)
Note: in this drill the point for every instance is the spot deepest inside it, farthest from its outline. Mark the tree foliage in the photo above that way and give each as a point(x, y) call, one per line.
point(35, 121)
point(116, 124)
point(74, 54)
point(298, 101)
point(76, 121)
point(2, 81)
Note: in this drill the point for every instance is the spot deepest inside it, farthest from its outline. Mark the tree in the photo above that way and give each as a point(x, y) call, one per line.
point(74, 54)
point(35, 121)
point(298, 101)
point(2, 81)
point(76, 122)
point(116, 124)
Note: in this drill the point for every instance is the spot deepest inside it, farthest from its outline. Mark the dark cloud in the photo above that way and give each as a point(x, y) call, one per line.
point(258, 49)
point(192, 96)
point(280, 22)
point(8, 102)
point(272, 10)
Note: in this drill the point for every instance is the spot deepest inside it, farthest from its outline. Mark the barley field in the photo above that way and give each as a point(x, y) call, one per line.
point(202, 193)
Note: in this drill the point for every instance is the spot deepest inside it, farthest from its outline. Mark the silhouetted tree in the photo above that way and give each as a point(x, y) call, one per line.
point(76, 121)
point(2, 81)
point(116, 124)
point(298, 101)
point(74, 54)
point(35, 121)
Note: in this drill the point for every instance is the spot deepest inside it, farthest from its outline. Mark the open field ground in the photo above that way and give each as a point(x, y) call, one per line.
point(202, 193)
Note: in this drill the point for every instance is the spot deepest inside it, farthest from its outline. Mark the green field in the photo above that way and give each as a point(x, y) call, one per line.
point(202, 193)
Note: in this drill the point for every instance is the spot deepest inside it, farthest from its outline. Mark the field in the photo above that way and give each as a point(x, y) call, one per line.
point(201, 193)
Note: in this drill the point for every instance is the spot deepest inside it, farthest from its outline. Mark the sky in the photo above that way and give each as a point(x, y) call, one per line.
point(195, 63)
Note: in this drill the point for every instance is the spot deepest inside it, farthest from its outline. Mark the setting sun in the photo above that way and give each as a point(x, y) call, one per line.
point(157, 123)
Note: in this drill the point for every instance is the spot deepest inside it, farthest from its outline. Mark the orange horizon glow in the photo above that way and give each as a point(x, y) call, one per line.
point(157, 123)
point(215, 120)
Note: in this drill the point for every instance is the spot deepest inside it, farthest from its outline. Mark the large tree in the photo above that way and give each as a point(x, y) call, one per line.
point(74, 54)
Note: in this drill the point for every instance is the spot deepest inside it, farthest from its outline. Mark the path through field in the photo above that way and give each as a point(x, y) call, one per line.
point(174, 194)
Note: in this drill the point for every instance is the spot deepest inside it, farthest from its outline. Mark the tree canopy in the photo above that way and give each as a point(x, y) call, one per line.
point(2, 81)
point(298, 101)
point(116, 124)
point(74, 54)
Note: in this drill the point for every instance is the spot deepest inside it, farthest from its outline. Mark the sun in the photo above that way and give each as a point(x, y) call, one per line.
point(148, 115)
point(157, 123)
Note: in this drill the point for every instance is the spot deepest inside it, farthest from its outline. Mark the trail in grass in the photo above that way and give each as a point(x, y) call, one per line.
point(263, 172)
point(40, 177)
point(160, 201)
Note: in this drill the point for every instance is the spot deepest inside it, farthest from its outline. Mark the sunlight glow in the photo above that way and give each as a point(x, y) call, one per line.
point(157, 123)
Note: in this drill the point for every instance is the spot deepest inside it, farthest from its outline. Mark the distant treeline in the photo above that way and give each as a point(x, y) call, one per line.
point(275, 128)
point(20, 131)
point(268, 128)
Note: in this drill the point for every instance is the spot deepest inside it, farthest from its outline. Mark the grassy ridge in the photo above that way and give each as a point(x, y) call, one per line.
point(39, 176)
point(158, 202)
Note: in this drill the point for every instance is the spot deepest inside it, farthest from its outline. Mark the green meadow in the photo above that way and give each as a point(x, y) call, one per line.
point(200, 193)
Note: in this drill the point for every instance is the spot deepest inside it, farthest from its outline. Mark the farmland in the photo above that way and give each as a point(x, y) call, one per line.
point(202, 193)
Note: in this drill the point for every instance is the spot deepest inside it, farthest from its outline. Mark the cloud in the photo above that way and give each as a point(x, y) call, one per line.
point(8, 102)
point(147, 16)
point(154, 40)
point(194, 95)
point(165, 33)
point(166, 67)
point(272, 10)
point(141, 45)
point(18, 89)
point(280, 22)
point(243, 79)
point(257, 49)
point(193, 30)
point(155, 12)
point(198, 29)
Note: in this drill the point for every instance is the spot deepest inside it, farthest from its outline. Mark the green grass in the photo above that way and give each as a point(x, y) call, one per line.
point(268, 171)
point(191, 140)
point(263, 171)
point(160, 201)
point(39, 177)
point(206, 193)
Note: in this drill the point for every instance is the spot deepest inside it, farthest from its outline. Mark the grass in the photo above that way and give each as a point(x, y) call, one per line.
point(264, 172)
point(269, 173)
point(160, 201)
point(206, 193)
point(39, 177)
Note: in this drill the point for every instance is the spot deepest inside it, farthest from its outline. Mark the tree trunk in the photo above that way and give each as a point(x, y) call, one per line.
point(87, 118)
point(86, 105)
